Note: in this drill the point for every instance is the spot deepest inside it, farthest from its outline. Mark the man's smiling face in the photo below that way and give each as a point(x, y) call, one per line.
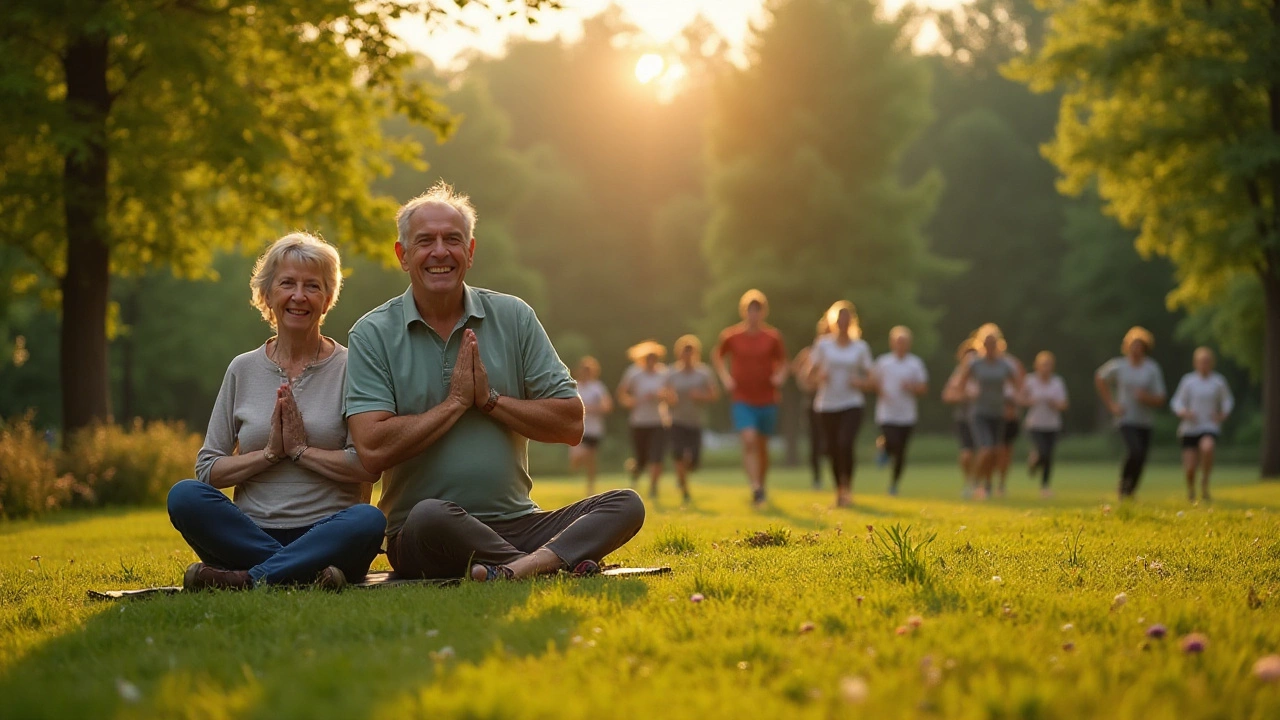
point(437, 253)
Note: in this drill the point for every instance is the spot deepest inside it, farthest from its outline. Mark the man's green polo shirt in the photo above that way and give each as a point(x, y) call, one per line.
point(397, 363)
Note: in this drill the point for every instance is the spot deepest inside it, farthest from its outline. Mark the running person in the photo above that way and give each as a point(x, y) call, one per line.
point(840, 367)
point(992, 371)
point(799, 368)
point(597, 404)
point(757, 368)
point(1202, 401)
point(1139, 390)
point(1009, 434)
point(642, 390)
point(691, 386)
point(900, 377)
point(1045, 397)
point(961, 396)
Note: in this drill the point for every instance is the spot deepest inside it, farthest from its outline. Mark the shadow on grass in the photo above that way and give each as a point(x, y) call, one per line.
point(291, 653)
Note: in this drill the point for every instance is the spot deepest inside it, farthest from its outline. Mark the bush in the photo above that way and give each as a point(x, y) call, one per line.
point(131, 466)
point(29, 480)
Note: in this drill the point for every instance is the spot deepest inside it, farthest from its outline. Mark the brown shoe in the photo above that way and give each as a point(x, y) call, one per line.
point(202, 577)
point(331, 578)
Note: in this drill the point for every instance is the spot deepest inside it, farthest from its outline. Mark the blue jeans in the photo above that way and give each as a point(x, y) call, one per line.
point(225, 538)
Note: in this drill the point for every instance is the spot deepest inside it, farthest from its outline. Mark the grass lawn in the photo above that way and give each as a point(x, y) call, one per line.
point(1018, 615)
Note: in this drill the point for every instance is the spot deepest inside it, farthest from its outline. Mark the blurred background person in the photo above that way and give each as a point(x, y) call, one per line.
point(900, 378)
point(840, 368)
point(642, 390)
point(691, 386)
point(1202, 402)
point(1132, 388)
point(597, 404)
point(1044, 394)
point(800, 369)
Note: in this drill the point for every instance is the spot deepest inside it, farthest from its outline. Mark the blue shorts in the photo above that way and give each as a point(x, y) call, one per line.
point(761, 418)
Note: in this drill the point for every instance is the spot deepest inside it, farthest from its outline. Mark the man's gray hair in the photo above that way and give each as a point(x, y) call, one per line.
point(442, 193)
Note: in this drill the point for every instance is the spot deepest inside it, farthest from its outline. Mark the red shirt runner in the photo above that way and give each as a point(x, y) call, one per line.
point(753, 358)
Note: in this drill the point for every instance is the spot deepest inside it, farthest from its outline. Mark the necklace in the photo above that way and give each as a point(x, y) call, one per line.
point(271, 355)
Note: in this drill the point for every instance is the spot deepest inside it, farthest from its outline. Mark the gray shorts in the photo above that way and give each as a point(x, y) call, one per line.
point(987, 431)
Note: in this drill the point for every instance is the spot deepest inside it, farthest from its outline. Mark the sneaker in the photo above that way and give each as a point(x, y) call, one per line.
point(202, 577)
point(586, 568)
point(893, 489)
point(491, 573)
point(757, 497)
point(331, 578)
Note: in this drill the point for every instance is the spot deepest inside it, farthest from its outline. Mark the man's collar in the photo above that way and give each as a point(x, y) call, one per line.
point(471, 305)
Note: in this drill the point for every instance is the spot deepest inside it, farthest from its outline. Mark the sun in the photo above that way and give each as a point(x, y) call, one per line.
point(649, 67)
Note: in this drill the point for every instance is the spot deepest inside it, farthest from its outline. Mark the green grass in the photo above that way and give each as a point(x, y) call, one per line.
point(602, 647)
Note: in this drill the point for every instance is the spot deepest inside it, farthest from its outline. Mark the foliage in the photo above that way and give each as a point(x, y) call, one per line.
point(130, 466)
point(29, 479)
point(1172, 111)
point(806, 202)
point(779, 632)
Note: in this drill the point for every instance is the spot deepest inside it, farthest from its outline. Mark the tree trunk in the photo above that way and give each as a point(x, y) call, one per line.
point(1271, 370)
point(83, 365)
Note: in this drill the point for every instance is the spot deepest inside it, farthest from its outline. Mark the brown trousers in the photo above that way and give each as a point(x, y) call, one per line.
point(440, 540)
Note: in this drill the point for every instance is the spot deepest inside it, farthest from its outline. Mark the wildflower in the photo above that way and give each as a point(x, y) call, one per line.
point(1267, 669)
point(696, 597)
point(1157, 631)
point(1194, 643)
point(807, 627)
point(854, 689)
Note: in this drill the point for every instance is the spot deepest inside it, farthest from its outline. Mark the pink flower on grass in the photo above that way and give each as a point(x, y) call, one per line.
point(1267, 669)
point(1157, 631)
point(696, 598)
point(1194, 643)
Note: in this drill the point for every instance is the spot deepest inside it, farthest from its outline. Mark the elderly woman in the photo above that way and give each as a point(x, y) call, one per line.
point(1138, 390)
point(840, 366)
point(691, 385)
point(1202, 402)
point(643, 391)
point(992, 370)
point(278, 438)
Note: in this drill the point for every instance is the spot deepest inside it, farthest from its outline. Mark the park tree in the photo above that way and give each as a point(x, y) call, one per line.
point(1172, 111)
point(805, 197)
point(143, 133)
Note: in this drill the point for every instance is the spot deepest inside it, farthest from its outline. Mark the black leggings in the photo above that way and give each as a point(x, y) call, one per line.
point(1044, 440)
point(1137, 440)
point(895, 446)
point(817, 445)
point(841, 431)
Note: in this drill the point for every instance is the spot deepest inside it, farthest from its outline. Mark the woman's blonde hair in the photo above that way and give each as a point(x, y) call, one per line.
point(823, 328)
point(689, 341)
point(300, 247)
point(1141, 334)
point(833, 314)
point(966, 347)
point(642, 350)
point(752, 296)
point(988, 330)
point(591, 365)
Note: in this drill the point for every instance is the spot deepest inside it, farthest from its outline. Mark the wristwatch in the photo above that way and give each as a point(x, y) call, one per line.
point(493, 400)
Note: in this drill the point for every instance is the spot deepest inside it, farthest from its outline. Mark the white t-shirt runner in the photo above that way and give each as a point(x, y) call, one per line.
point(841, 363)
point(593, 394)
point(1043, 397)
point(895, 405)
point(645, 388)
point(1205, 397)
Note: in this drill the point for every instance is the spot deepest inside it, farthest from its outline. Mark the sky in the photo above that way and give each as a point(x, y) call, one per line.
point(660, 20)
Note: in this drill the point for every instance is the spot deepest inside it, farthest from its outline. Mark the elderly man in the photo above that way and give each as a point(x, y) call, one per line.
point(446, 384)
